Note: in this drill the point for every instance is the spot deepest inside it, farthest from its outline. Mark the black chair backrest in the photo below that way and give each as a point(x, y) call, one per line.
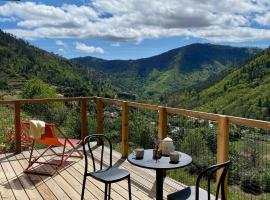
point(209, 174)
point(100, 139)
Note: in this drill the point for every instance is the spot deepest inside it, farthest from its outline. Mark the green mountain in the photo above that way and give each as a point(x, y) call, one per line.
point(171, 71)
point(245, 92)
point(20, 61)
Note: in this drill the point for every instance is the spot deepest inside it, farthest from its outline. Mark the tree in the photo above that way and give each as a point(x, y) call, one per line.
point(37, 89)
point(195, 145)
point(49, 112)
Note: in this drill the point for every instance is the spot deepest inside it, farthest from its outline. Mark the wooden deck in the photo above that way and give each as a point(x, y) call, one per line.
point(67, 183)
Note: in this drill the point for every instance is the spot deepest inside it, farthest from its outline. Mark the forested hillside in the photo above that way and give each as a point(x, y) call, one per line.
point(243, 92)
point(171, 71)
point(175, 78)
point(20, 61)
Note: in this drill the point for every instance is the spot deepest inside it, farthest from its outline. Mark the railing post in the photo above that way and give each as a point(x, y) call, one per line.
point(83, 107)
point(100, 116)
point(223, 145)
point(125, 129)
point(162, 130)
point(17, 121)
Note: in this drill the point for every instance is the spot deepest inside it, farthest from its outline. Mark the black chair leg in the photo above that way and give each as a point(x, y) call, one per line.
point(83, 187)
point(109, 196)
point(106, 191)
point(129, 188)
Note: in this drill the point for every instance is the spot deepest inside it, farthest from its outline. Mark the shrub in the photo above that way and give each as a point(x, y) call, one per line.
point(37, 89)
point(266, 182)
point(250, 182)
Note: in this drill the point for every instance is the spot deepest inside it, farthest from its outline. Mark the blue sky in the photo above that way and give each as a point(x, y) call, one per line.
point(120, 29)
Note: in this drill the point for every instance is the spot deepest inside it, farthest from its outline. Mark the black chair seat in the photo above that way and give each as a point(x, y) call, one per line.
point(110, 175)
point(189, 194)
point(106, 175)
point(197, 193)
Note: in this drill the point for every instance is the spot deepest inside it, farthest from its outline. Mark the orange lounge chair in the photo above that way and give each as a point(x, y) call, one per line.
point(50, 139)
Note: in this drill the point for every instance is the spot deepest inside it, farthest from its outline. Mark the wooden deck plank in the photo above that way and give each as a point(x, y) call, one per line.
point(98, 184)
point(121, 187)
point(114, 194)
point(67, 182)
point(69, 178)
point(90, 187)
point(68, 189)
point(136, 191)
point(77, 185)
point(170, 185)
point(139, 183)
point(78, 189)
point(143, 178)
point(47, 187)
point(27, 184)
point(5, 188)
point(13, 180)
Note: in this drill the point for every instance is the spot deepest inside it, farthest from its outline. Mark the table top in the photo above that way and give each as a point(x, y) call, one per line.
point(163, 163)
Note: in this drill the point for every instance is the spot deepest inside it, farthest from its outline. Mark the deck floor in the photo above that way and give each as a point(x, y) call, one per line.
point(67, 182)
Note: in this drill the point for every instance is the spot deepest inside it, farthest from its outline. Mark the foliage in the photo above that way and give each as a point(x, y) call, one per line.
point(37, 89)
point(71, 124)
point(177, 78)
point(171, 71)
point(21, 61)
point(242, 92)
point(250, 182)
point(142, 129)
point(266, 182)
point(195, 145)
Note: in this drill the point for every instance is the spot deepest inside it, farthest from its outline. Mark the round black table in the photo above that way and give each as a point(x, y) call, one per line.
point(160, 166)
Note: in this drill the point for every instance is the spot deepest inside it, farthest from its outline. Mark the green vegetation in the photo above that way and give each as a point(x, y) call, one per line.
point(37, 89)
point(243, 92)
point(172, 71)
point(20, 61)
point(199, 76)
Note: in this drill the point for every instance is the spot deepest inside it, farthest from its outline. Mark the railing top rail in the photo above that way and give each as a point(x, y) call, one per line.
point(130, 104)
point(249, 122)
point(190, 113)
point(46, 100)
point(196, 114)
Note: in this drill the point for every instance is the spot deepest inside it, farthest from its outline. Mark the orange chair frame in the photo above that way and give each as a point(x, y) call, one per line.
point(49, 138)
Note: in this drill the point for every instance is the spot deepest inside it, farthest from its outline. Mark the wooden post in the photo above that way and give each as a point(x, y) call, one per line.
point(125, 129)
point(100, 116)
point(17, 122)
point(223, 145)
point(162, 131)
point(83, 107)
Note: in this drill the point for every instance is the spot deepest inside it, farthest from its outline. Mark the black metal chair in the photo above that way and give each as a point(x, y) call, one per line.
point(107, 175)
point(197, 193)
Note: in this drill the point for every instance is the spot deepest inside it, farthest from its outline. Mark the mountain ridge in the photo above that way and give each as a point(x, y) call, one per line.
point(243, 92)
point(20, 61)
point(179, 68)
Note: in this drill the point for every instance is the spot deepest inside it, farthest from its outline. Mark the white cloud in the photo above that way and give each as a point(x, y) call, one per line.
point(61, 50)
point(88, 49)
point(8, 19)
point(116, 44)
point(263, 19)
point(135, 20)
point(60, 43)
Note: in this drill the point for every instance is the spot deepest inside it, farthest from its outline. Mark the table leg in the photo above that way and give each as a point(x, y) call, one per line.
point(159, 184)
